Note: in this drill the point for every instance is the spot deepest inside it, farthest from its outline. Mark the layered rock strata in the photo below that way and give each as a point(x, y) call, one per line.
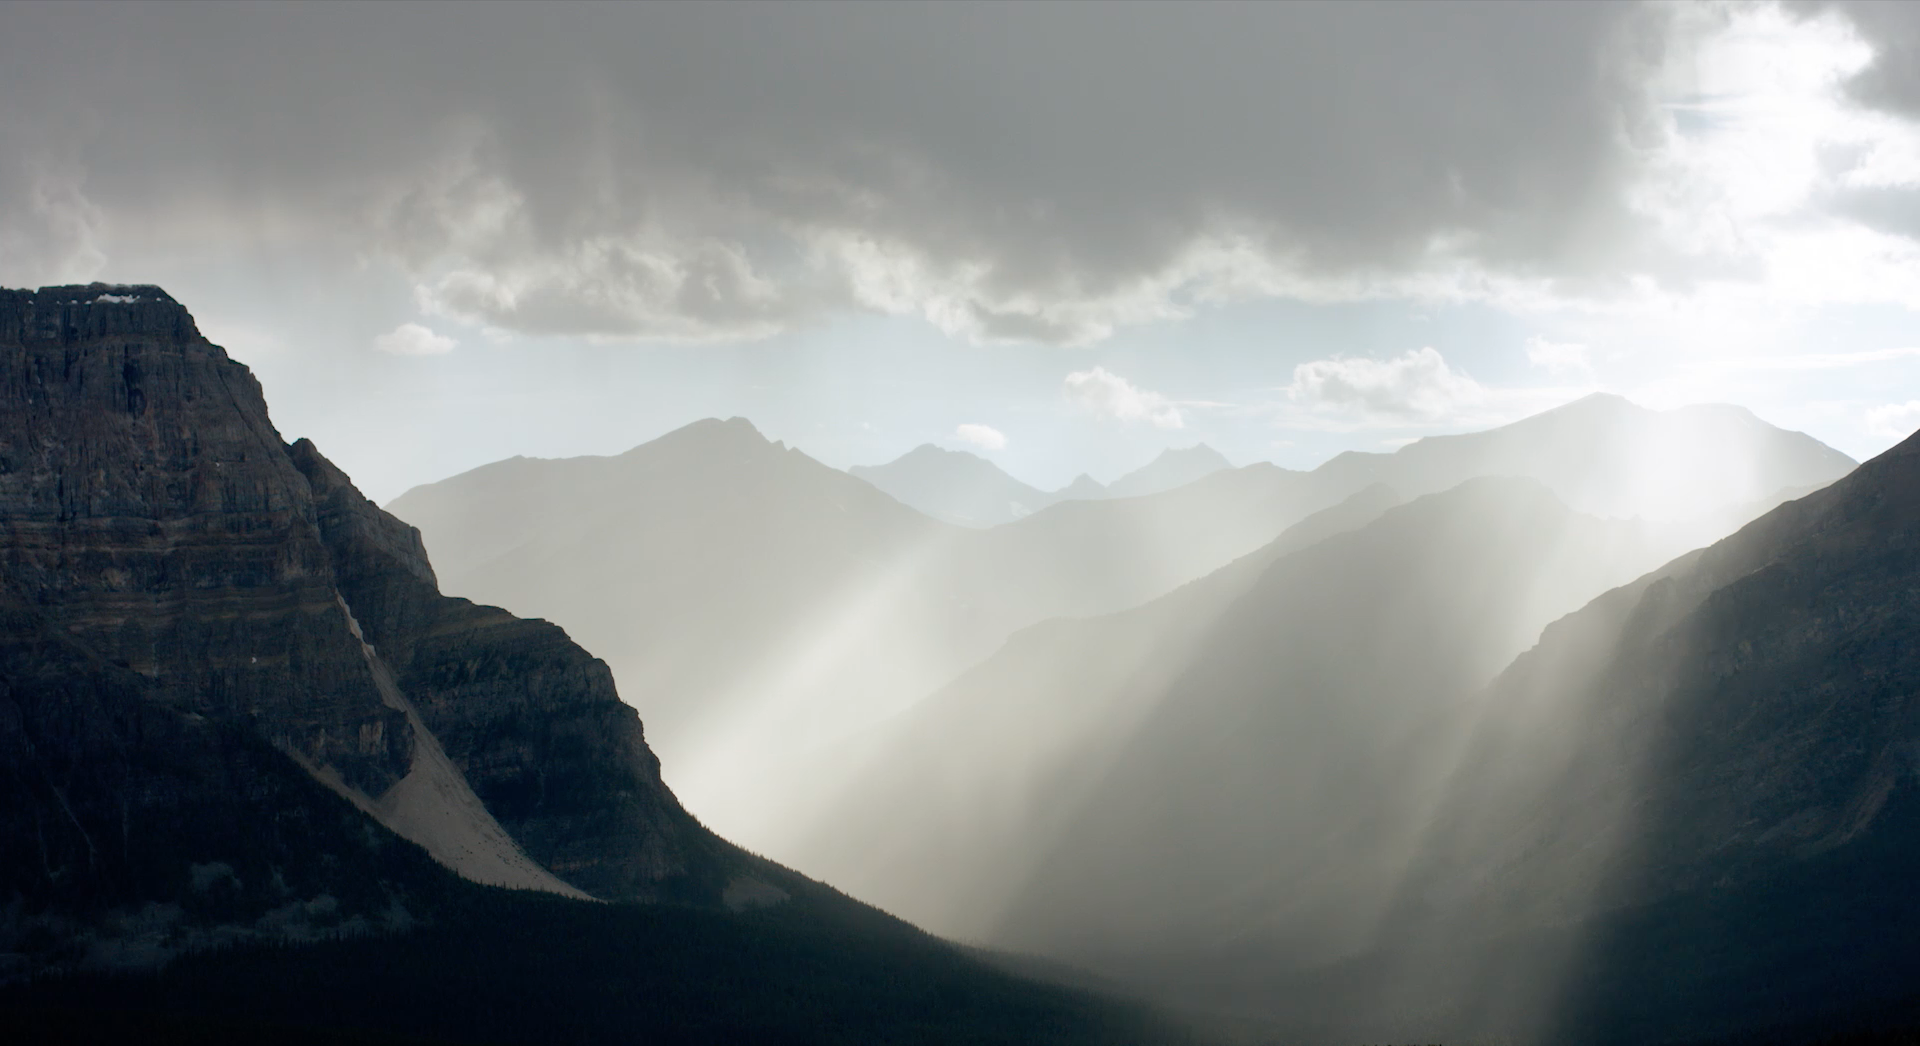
point(182, 594)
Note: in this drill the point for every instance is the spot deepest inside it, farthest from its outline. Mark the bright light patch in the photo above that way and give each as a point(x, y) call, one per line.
point(1894, 421)
point(411, 339)
point(1418, 386)
point(985, 437)
point(1558, 357)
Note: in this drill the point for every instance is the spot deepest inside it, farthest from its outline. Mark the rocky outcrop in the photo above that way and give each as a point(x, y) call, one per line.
point(134, 831)
point(200, 623)
point(149, 511)
point(531, 719)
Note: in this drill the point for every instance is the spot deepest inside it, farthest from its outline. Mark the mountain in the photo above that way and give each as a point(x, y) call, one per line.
point(955, 487)
point(766, 612)
point(236, 716)
point(1606, 456)
point(965, 489)
point(1156, 781)
point(1083, 488)
point(761, 607)
point(1175, 467)
point(1716, 760)
point(1685, 814)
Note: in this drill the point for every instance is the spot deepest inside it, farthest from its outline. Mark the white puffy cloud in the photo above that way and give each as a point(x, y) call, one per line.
point(411, 339)
point(1894, 421)
point(1417, 390)
point(1418, 386)
point(1108, 395)
point(985, 437)
point(1558, 357)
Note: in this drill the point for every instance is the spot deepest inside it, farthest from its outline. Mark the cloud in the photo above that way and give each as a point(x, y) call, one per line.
point(1108, 395)
point(711, 172)
point(50, 230)
point(705, 173)
point(411, 339)
point(1418, 386)
point(983, 436)
point(1415, 391)
point(1558, 357)
point(1894, 421)
point(1804, 361)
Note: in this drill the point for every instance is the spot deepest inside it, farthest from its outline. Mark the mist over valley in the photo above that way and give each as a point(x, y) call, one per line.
point(820, 524)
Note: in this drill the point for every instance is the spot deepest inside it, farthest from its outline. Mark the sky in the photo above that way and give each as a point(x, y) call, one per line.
point(1062, 236)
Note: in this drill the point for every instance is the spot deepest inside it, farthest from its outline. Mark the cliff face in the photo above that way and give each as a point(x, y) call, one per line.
point(150, 512)
point(531, 719)
point(200, 624)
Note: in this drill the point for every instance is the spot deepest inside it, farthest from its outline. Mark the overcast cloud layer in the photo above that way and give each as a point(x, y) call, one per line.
point(719, 171)
point(1668, 201)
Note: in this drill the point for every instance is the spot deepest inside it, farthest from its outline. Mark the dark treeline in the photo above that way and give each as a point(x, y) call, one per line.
point(504, 967)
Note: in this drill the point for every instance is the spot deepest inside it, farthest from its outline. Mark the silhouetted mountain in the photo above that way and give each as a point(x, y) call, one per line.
point(955, 487)
point(236, 712)
point(1175, 467)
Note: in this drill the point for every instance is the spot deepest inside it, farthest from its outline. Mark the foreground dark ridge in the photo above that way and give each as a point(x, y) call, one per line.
point(229, 688)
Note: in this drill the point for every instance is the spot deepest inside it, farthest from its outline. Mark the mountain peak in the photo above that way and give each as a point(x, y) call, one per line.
point(1083, 486)
point(1174, 467)
point(956, 486)
point(69, 313)
point(1607, 400)
point(1198, 453)
point(936, 452)
point(735, 433)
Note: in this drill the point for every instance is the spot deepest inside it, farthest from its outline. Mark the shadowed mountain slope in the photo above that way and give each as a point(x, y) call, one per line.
point(1715, 760)
point(208, 591)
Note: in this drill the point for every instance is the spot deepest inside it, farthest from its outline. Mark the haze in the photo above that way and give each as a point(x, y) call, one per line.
point(1252, 506)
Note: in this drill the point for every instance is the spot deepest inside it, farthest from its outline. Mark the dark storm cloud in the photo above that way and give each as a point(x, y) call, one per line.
point(723, 170)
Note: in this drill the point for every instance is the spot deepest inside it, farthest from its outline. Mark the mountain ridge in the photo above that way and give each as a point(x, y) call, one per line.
point(155, 518)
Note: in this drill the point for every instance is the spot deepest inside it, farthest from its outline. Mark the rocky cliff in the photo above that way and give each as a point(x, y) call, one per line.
point(531, 719)
point(199, 624)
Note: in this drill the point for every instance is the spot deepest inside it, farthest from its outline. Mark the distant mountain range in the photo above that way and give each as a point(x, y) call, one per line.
point(1601, 454)
point(959, 487)
point(766, 612)
point(1606, 456)
point(760, 607)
